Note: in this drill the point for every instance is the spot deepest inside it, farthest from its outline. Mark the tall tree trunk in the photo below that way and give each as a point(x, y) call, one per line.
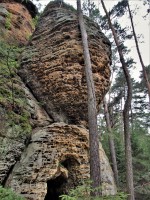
point(127, 134)
point(147, 83)
point(92, 111)
point(111, 142)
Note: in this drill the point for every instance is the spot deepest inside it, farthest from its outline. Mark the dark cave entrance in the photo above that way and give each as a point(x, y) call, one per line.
point(61, 184)
point(54, 188)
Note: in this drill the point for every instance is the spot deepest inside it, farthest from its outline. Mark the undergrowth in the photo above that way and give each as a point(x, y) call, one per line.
point(8, 194)
point(12, 97)
point(82, 192)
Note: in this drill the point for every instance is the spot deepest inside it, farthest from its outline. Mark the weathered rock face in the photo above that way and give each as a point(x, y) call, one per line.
point(57, 152)
point(16, 24)
point(13, 140)
point(53, 67)
point(56, 156)
point(55, 161)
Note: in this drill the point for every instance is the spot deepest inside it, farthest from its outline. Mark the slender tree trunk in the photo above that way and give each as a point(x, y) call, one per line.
point(111, 142)
point(127, 134)
point(92, 112)
point(147, 83)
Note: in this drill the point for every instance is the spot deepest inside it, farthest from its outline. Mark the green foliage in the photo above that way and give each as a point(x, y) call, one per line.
point(35, 21)
point(120, 153)
point(120, 9)
point(140, 113)
point(12, 96)
point(90, 9)
point(82, 192)
point(8, 194)
point(141, 160)
point(8, 21)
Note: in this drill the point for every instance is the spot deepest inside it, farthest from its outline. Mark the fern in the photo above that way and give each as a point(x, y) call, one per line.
point(8, 194)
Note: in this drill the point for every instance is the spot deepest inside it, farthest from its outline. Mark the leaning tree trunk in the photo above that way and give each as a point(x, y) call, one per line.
point(127, 134)
point(92, 111)
point(147, 83)
point(111, 142)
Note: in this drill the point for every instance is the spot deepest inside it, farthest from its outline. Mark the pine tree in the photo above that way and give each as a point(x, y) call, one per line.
point(127, 135)
point(111, 142)
point(92, 112)
point(118, 11)
point(147, 83)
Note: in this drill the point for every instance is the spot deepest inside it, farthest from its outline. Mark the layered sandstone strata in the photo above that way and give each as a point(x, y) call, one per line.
point(55, 161)
point(53, 66)
point(15, 27)
point(16, 21)
point(56, 157)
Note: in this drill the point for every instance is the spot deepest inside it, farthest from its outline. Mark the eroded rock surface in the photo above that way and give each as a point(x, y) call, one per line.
point(13, 139)
point(53, 67)
point(16, 23)
point(58, 153)
point(15, 109)
point(55, 157)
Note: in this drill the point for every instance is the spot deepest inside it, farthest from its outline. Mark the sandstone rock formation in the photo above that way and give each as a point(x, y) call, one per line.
point(55, 161)
point(55, 156)
point(53, 67)
point(16, 24)
point(12, 143)
point(15, 27)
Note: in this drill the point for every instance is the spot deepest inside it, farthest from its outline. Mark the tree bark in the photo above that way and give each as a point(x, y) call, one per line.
point(111, 142)
point(147, 83)
point(127, 134)
point(92, 111)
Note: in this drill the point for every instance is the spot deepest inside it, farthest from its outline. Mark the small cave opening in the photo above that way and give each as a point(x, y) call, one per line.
point(66, 163)
point(61, 184)
point(54, 188)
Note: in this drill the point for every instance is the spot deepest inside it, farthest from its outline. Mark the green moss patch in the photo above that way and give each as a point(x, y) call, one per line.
point(12, 97)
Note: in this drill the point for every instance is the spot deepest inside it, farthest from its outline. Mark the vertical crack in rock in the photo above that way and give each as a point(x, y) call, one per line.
point(9, 172)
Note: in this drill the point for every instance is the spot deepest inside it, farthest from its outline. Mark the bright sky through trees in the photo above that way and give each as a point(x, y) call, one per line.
point(142, 27)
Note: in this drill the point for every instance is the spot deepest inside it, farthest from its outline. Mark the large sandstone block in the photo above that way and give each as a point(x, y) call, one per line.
point(56, 160)
point(53, 67)
point(56, 157)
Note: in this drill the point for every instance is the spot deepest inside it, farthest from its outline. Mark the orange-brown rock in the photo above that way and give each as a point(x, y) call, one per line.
point(53, 66)
point(16, 24)
point(55, 158)
point(55, 161)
